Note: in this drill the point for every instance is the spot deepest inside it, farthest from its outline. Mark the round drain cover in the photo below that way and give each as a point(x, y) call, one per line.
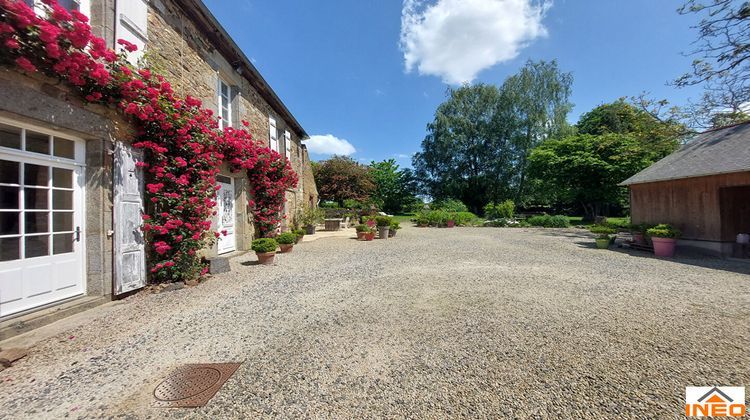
point(187, 383)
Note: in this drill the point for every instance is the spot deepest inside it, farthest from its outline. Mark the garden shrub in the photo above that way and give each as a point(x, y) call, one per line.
point(502, 222)
point(664, 231)
point(504, 210)
point(299, 233)
point(548, 221)
point(362, 228)
point(463, 218)
point(450, 205)
point(286, 238)
point(264, 245)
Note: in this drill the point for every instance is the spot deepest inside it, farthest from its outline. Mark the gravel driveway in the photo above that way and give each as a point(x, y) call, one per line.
point(465, 322)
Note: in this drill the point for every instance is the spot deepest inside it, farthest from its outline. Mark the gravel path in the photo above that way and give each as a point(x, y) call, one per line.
point(465, 322)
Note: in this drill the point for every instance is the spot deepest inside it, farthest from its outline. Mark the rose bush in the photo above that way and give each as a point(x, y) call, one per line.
point(184, 147)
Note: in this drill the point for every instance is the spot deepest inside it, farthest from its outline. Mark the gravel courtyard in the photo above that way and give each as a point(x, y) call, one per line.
point(464, 322)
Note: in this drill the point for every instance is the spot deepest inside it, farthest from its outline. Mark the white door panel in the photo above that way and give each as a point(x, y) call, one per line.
point(226, 210)
point(130, 246)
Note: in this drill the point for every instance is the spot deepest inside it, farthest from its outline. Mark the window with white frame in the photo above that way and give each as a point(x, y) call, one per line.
point(288, 144)
point(82, 6)
point(225, 104)
point(273, 138)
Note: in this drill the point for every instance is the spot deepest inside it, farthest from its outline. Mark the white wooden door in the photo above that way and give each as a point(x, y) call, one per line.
point(226, 206)
point(129, 243)
point(41, 219)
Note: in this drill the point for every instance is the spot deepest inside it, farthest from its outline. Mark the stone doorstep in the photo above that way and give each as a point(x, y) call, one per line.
point(22, 324)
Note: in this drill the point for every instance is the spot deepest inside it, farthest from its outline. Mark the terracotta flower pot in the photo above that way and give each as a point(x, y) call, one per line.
point(450, 223)
point(265, 258)
point(663, 247)
point(286, 248)
point(361, 236)
point(383, 232)
point(370, 236)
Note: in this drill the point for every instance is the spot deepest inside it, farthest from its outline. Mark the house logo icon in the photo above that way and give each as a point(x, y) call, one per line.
point(716, 401)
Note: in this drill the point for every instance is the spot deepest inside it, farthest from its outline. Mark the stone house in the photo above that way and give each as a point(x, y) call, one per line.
point(71, 193)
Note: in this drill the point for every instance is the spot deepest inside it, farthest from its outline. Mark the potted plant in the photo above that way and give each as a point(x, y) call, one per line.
point(602, 235)
point(450, 220)
point(638, 232)
point(422, 221)
point(299, 233)
point(310, 218)
point(369, 234)
point(664, 237)
point(384, 225)
point(265, 250)
point(286, 241)
point(362, 231)
point(394, 227)
point(369, 221)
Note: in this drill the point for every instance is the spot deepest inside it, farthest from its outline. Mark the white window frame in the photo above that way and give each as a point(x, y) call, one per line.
point(224, 122)
point(288, 144)
point(84, 6)
point(273, 135)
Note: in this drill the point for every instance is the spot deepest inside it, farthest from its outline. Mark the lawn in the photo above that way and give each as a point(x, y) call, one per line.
point(578, 221)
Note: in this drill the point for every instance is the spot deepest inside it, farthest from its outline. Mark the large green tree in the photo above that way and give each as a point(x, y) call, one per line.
point(477, 147)
point(340, 178)
point(613, 142)
point(395, 188)
point(721, 61)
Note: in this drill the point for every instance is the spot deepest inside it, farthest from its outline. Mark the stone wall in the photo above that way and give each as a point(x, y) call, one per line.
point(44, 102)
point(178, 50)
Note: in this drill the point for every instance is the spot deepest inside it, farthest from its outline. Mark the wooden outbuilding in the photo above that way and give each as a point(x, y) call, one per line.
point(703, 189)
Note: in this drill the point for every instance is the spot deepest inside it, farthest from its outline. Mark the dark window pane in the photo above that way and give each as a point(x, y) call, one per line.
point(37, 246)
point(36, 142)
point(37, 222)
point(65, 148)
point(9, 197)
point(35, 198)
point(35, 175)
point(8, 172)
point(62, 243)
point(9, 223)
point(10, 249)
point(10, 136)
point(62, 178)
point(62, 221)
point(62, 200)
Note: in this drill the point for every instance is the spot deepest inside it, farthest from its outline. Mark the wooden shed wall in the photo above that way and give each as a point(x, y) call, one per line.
point(691, 204)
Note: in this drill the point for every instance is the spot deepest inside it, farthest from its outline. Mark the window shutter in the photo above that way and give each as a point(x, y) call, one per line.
point(273, 141)
point(235, 106)
point(288, 144)
point(132, 26)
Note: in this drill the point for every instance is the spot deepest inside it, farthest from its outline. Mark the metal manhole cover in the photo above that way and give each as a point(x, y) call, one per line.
point(193, 385)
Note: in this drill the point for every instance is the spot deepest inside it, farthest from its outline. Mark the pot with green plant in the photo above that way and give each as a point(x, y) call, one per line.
point(422, 221)
point(310, 218)
point(370, 234)
point(638, 232)
point(664, 237)
point(369, 221)
point(361, 232)
point(286, 241)
point(602, 236)
point(450, 220)
point(299, 233)
point(265, 250)
point(384, 225)
point(394, 227)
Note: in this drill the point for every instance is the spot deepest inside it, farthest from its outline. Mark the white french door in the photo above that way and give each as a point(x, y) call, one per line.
point(226, 206)
point(41, 219)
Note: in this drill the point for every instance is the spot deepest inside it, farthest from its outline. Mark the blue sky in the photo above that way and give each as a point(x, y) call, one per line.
point(340, 66)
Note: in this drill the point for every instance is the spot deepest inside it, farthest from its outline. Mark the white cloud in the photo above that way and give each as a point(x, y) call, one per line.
point(456, 39)
point(329, 144)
